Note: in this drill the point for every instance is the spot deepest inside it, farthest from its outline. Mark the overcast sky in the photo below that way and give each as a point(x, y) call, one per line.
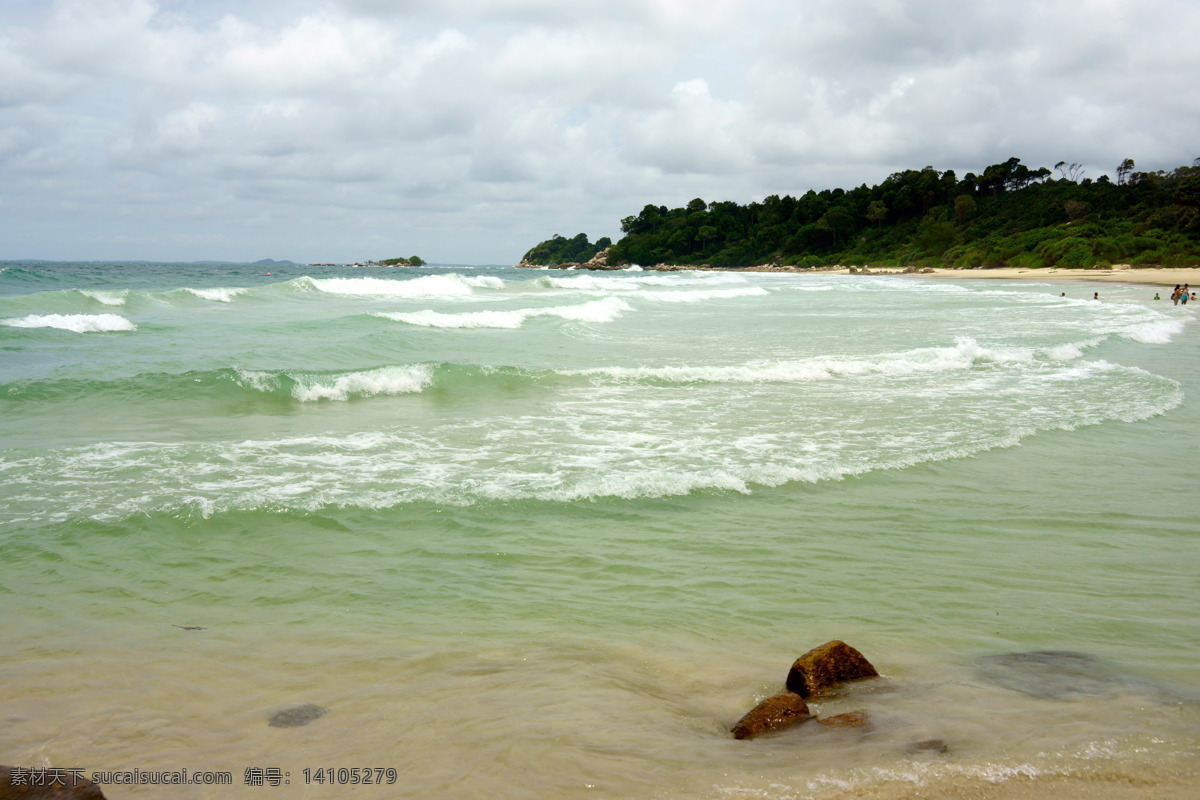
point(466, 131)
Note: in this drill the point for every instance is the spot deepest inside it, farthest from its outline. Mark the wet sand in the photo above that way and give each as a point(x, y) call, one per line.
point(1112, 786)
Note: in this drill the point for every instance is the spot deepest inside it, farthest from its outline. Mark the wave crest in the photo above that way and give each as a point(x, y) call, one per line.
point(449, 285)
point(605, 310)
point(311, 387)
point(79, 323)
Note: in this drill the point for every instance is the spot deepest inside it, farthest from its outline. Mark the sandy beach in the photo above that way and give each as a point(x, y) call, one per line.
point(1152, 276)
point(1105, 786)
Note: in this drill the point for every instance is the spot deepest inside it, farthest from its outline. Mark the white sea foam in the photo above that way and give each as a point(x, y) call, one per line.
point(701, 295)
point(450, 285)
point(629, 283)
point(383, 381)
point(964, 355)
point(105, 298)
point(605, 310)
point(307, 387)
point(1157, 332)
point(217, 295)
point(79, 323)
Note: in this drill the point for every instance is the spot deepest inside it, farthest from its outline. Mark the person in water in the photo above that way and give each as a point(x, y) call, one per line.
point(1096, 296)
point(1156, 297)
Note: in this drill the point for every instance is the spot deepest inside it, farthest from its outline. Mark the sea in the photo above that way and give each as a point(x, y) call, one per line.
point(508, 533)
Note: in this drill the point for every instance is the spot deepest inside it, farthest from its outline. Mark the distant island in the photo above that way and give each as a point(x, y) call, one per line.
point(1009, 215)
point(411, 261)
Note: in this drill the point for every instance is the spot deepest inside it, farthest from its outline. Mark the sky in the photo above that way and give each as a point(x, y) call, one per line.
point(467, 131)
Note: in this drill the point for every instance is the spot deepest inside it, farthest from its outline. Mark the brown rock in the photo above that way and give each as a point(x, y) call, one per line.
point(29, 783)
point(825, 666)
point(852, 719)
point(772, 714)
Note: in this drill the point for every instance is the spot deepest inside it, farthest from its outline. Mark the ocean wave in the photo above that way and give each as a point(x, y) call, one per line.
point(701, 295)
point(563, 453)
point(79, 323)
point(449, 285)
point(310, 387)
point(965, 354)
point(1157, 332)
point(633, 283)
point(106, 298)
point(605, 310)
point(217, 295)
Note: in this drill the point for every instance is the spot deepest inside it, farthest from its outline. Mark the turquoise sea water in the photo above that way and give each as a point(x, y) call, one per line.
point(546, 534)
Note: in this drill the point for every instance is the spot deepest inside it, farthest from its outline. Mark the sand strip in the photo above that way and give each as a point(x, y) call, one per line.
point(1155, 276)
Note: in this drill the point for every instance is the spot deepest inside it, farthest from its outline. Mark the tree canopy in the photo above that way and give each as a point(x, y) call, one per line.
point(411, 261)
point(560, 250)
point(1009, 214)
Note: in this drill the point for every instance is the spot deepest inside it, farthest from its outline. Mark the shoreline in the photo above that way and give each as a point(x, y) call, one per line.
point(1109, 784)
point(1123, 273)
point(1149, 276)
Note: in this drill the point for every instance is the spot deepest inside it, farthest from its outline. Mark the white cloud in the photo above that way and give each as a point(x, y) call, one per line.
point(467, 130)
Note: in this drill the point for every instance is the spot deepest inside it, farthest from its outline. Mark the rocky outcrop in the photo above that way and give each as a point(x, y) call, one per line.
point(773, 714)
point(598, 261)
point(817, 670)
point(28, 783)
point(826, 666)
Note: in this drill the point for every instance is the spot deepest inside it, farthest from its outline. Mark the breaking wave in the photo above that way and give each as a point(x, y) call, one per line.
point(79, 323)
point(605, 310)
point(450, 285)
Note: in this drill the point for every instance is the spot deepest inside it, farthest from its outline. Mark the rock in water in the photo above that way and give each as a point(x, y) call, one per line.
point(772, 714)
point(851, 719)
point(296, 716)
point(828, 665)
point(1055, 674)
point(27, 783)
point(937, 746)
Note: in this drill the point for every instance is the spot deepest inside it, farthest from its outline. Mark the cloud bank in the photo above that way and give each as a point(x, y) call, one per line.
point(468, 130)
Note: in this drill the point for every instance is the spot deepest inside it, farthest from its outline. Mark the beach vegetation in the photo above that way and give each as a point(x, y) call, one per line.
point(1008, 214)
point(561, 250)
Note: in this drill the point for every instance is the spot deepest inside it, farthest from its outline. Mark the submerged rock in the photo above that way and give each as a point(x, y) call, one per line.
point(851, 719)
point(936, 746)
point(828, 665)
point(28, 783)
point(1057, 674)
point(296, 716)
point(772, 714)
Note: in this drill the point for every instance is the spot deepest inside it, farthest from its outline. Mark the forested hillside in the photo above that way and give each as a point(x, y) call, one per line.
point(1009, 215)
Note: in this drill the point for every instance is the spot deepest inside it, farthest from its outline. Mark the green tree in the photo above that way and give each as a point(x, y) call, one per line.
point(876, 212)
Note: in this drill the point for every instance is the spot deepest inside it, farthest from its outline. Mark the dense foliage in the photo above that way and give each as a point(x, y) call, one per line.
point(560, 250)
point(1009, 215)
point(411, 261)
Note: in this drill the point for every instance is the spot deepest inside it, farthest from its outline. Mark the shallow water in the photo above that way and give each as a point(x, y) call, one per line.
point(530, 533)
